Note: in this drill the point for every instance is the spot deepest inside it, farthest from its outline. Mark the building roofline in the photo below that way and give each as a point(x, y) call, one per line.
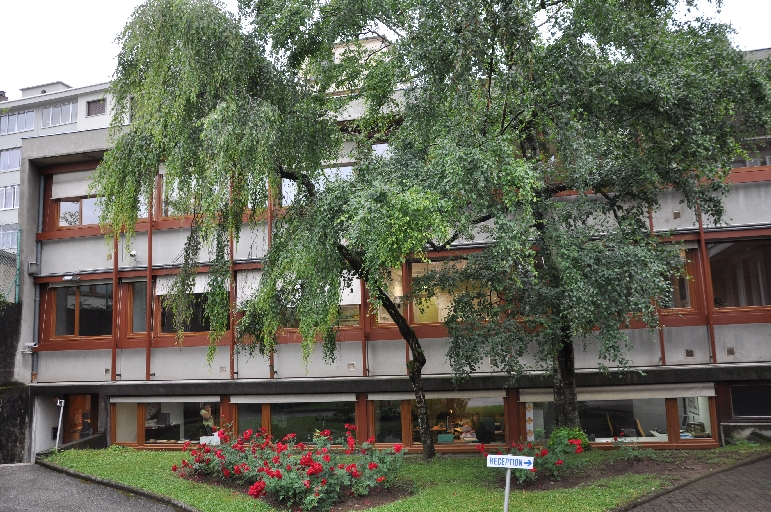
point(53, 96)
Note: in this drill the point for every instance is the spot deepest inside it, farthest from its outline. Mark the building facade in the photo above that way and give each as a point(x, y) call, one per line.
point(101, 340)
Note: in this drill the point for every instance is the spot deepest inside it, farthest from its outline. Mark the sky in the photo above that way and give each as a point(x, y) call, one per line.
point(74, 41)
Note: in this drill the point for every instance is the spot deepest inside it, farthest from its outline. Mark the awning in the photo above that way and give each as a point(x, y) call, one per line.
point(291, 399)
point(155, 399)
point(636, 392)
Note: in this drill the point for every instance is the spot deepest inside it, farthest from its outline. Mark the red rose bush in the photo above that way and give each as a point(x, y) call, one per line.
point(312, 476)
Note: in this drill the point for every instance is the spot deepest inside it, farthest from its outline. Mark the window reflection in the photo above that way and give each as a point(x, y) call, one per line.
point(199, 322)
point(463, 420)
point(396, 293)
point(83, 310)
point(740, 273)
point(305, 418)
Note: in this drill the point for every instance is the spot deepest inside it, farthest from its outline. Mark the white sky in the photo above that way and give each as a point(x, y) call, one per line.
point(74, 41)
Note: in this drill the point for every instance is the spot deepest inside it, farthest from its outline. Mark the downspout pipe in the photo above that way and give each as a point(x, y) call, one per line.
point(38, 261)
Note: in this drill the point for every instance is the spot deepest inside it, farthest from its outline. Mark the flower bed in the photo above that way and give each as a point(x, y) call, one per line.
point(311, 476)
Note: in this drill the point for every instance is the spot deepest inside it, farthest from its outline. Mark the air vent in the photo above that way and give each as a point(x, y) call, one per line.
point(676, 214)
point(689, 353)
point(351, 366)
point(729, 351)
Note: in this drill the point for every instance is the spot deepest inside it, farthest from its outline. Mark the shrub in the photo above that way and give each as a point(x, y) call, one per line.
point(549, 462)
point(561, 437)
point(311, 476)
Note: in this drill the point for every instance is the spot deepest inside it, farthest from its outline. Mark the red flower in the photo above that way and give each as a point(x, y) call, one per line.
point(579, 449)
point(325, 433)
point(480, 448)
point(559, 462)
point(544, 452)
point(372, 466)
point(289, 436)
point(248, 434)
point(174, 468)
point(257, 489)
point(323, 481)
point(237, 470)
point(340, 466)
point(380, 479)
point(225, 472)
point(348, 426)
point(398, 447)
point(532, 470)
point(371, 440)
point(326, 457)
point(529, 446)
point(307, 484)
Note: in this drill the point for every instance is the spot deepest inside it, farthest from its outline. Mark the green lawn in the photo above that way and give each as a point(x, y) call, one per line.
point(446, 484)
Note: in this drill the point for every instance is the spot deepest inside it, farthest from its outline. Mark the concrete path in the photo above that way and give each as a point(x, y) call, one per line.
point(25, 487)
point(744, 489)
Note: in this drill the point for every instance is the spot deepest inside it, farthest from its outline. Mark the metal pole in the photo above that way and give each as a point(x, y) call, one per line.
point(60, 403)
point(508, 488)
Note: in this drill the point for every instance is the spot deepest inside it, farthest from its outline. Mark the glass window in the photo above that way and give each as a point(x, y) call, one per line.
point(10, 159)
point(199, 322)
point(396, 292)
point(288, 192)
point(46, 117)
point(463, 420)
point(8, 236)
point(66, 113)
point(752, 400)
point(388, 421)
point(138, 307)
point(3, 125)
point(695, 417)
point(305, 418)
point(740, 273)
point(79, 423)
point(30, 123)
point(125, 422)
point(91, 211)
point(641, 420)
point(95, 108)
point(11, 123)
point(350, 305)
point(21, 121)
point(177, 422)
point(681, 294)
point(56, 115)
point(84, 310)
point(69, 213)
point(249, 417)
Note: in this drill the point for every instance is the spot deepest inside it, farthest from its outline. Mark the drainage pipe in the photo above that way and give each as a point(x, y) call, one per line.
point(38, 261)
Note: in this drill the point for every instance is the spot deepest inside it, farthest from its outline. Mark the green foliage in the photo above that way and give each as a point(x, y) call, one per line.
point(632, 451)
point(561, 436)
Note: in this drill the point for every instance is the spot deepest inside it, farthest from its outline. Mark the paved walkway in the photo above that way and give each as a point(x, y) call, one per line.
point(25, 487)
point(744, 489)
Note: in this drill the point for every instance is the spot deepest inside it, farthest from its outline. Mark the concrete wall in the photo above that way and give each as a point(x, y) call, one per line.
point(75, 366)
point(751, 343)
point(252, 367)
point(45, 417)
point(747, 204)
point(131, 364)
point(387, 357)
point(644, 350)
point(14, 420)
point(189, 363)
point(76, 255)
point(679, 339)
point(288, 362)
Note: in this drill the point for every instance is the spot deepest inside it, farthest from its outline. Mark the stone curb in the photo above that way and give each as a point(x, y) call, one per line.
point(184, 507)
point(662, 492)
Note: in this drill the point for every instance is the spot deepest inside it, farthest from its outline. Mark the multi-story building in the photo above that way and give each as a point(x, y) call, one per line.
point(104, 343)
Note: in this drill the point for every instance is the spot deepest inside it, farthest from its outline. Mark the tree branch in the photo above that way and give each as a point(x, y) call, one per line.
point(300, 178)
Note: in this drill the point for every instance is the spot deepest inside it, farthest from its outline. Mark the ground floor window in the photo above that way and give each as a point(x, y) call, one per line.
point(79, 422)
point(388, 421)
point(695, 417)
point(175, 422)
point(305, 418)
point(249, 417)
point(125, 422)
point(751, 401)
point(463, 420)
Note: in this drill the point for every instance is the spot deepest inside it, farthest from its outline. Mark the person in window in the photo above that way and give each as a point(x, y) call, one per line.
point(208, 419)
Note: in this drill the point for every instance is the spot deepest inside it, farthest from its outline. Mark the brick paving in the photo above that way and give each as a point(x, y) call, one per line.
point(744, 489)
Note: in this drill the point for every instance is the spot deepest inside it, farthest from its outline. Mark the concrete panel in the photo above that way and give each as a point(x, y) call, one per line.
point(86, 122)
point(288, 361)
point(168, 245)
point(138, 243)
point(253, 243)
point(678, 339)
point(643, 350)
point(74, 365)
point(9, 216)
point(664, 217)
point(252, 367)
point(131, 364)
point(751, 343)
point(387, 357)
point(436, 356)
point(76, 255)
point(10, 178)
point(45, 418)
point(13, 140)
point(189, 363)
point(747, 204)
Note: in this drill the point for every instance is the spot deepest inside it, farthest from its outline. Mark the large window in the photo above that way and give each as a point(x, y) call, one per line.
point(177, 422)
point(138, 307)
point(751, 401)
point(78, 212)
point(17, 122)
point(65, 113)
point(9, 197)
point(741, 273)
point(681, 293)
point(84, 310)
point(388, 421)
point(199, 322)
point(249, 417)
point(305, 418)
point(10, 159)
point(396, 293)
point(463, 420)
point(695, 417)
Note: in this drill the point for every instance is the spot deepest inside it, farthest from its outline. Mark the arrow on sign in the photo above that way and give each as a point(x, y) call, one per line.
point(528, 463)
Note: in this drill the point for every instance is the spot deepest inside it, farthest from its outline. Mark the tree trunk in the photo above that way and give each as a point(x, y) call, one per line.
point(565, 400)
point(415, 366)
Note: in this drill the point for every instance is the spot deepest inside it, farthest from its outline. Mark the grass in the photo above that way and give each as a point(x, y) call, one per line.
point(449, 483)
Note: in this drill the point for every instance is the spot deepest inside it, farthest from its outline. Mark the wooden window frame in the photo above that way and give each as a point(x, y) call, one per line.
point(53, 300)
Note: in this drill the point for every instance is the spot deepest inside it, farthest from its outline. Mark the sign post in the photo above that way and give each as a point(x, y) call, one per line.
point(509, 462)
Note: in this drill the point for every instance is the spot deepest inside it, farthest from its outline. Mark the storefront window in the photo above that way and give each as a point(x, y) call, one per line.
point(305, 418)
point(388, 421)
point(463, 420)
point(741, 273)
point(249, 417)
point(177, 422)
point(641, 420)
point(694, 417)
